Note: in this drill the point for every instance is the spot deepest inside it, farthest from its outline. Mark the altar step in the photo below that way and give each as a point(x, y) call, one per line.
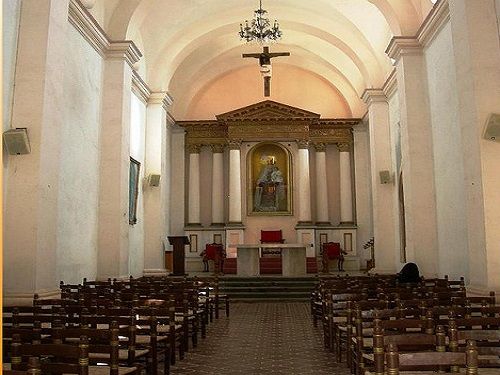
point(267, 288)
point(269, 266)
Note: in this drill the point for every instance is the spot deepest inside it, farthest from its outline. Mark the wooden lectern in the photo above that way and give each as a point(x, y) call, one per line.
point(178, 242)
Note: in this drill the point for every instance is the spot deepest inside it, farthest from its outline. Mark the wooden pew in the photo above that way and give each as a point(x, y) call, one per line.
point(419, 361)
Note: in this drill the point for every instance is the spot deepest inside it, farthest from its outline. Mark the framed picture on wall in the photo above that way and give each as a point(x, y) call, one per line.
point(348, 242)
point(193, 243)
point(269, 189)
point(323, 238)
point(133, 190)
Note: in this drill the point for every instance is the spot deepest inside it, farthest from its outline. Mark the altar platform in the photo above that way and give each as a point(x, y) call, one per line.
point(292, 257)
point(268, 287)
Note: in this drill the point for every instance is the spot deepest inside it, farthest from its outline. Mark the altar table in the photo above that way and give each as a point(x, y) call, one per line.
point(293, 258)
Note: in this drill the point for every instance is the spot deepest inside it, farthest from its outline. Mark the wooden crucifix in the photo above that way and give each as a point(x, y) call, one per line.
point(265, 65)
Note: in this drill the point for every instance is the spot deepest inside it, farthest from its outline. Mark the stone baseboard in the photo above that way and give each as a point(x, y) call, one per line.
point(155, 272)
point(26, 298)
point(480, 291)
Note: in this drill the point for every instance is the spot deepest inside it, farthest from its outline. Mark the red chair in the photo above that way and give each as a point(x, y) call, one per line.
point(271, 236)
point(215, 252)
point(332, 250)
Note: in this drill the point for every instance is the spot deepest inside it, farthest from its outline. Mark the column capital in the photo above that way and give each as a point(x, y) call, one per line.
point(344, 146)
point(194, 148)
point(302, 143)
point(370, 96)
point(319, 146)
point(403, 45)
point(161, 97)
point(234, 144)
point(126, 50)
point(217, 148)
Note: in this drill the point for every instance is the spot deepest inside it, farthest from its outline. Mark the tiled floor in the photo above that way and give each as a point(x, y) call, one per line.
point(262, 338)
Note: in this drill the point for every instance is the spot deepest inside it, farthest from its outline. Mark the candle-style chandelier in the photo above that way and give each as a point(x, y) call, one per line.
point(259, 28)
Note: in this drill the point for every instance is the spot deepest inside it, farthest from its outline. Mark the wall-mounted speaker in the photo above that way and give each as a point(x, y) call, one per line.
point(154, 180)
point(385, 177)
point(17, 141)
point(492, 129)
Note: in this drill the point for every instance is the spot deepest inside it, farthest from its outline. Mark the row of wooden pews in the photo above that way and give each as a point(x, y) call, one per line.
point(111, 327)
point(380, 326)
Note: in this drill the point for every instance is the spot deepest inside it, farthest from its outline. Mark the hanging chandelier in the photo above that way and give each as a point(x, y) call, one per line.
point(259, 29)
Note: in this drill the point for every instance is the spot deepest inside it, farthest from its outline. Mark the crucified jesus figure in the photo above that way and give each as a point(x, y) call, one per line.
point(265, 65)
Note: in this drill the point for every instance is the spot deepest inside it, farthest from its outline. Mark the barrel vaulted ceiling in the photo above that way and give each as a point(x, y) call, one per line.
point(192, 50)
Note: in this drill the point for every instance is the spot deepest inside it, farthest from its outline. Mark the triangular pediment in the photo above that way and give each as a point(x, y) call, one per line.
point(267, 109)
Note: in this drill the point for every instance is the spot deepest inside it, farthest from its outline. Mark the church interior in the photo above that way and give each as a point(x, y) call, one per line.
point(370, 124)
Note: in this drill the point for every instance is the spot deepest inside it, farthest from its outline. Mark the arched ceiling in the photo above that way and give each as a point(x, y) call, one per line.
point(188, 45)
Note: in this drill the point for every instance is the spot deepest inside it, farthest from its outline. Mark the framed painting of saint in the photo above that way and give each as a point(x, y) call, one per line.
point(269, 180)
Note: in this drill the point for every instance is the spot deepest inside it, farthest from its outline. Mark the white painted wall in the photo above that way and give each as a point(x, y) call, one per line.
point(497, 7)
point(364, 212)
point(79, 174)
point(448, 156)
point(137, 151)
point(11, 10)
point(394, 121)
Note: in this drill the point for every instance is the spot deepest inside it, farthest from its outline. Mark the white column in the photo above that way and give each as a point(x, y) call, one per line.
point(217, 184)
point(321, 185)
point(155, 158)
point(383, 195)
point(304, 185)
point(194, 185)
point(477, 63)
point(234, 184)
point(113, 232)
point(30, 216)
point(346, 216)
point(417, 154)
point(177, 193)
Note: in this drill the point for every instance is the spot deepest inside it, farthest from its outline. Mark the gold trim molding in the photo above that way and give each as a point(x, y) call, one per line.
point(319, 146)
point(269, 121)
point(343, 147)
point(217, 148)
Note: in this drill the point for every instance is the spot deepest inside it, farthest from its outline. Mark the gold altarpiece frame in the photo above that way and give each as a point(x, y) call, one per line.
point(268, 122)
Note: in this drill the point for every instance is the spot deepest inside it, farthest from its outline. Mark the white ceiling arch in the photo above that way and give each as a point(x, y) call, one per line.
point(180, 44)
point(197, 58)
point(293, 88)
point(195, 41)
point(200, 78)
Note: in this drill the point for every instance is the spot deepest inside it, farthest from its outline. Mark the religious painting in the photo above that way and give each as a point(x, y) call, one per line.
point(269, 180)
point(133, 190)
